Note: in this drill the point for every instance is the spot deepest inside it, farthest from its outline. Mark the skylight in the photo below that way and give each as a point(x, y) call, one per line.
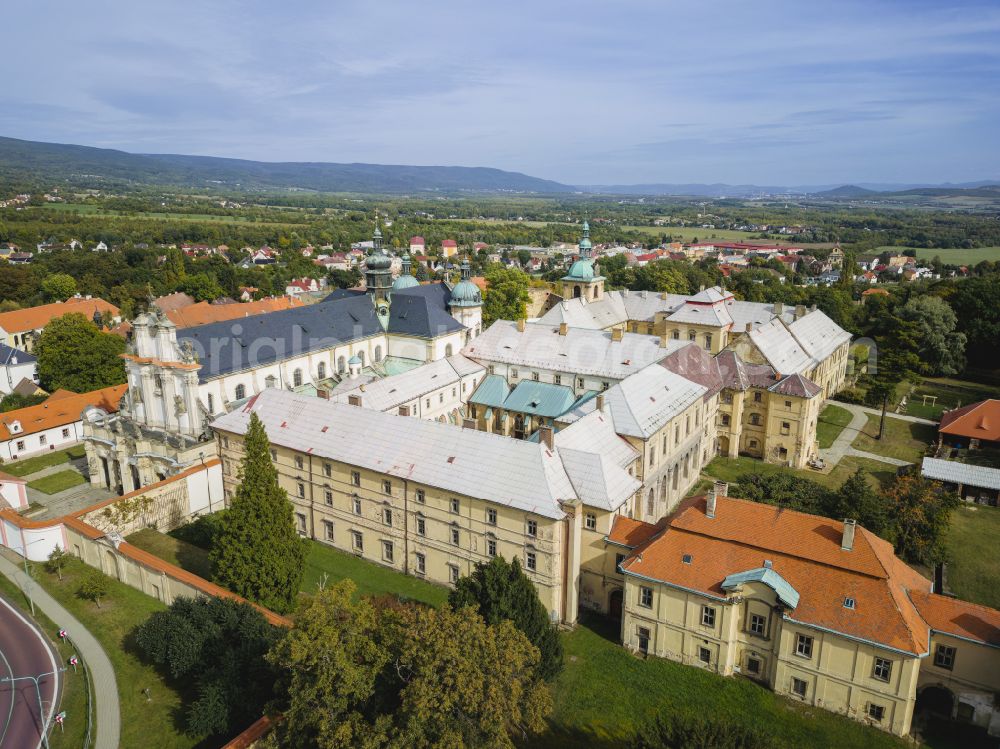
point(686, 559)
point(848, 603)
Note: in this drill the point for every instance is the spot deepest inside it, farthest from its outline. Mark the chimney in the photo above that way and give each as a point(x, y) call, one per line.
point(847, 543)
point(800, 311)
point(354, 400)
point(563, 328)
point(324, 394)
point(702, 288)
point(404, 410)
point(778, 308)
point(721, 489)
point(545, 436)
point(520, 325)
point(616, 334)
point(642, 294)
point(813, 308)
point(468, 423)
point(710, 504)
point(599, 401)
point(663, 340)
point(749, 327)
point(663, 296)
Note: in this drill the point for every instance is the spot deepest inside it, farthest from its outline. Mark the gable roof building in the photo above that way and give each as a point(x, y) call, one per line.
point(976, 424)
point(19, 328)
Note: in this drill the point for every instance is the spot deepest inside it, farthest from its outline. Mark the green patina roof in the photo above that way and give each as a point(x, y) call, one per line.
point(492, 391)
point(540, 399)
point(782, 588)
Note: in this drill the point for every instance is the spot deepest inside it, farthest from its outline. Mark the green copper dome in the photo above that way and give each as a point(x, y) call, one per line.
point(582, 270)
point(585, 242)
point(465, 293)
point(406, 279)
point(378, 260)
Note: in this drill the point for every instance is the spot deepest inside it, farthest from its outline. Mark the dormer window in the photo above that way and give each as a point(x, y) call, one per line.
point(15, 427)
point(686, 559)
point(848, 603)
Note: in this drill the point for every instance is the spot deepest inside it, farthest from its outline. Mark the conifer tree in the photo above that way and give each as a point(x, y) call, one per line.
point(257, 553)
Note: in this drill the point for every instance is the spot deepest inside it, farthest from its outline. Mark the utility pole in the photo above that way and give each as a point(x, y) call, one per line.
point(38, 693)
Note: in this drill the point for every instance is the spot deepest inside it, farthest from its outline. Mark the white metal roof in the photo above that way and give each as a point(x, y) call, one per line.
point(819, 335)
point(391, 392)
point(981, 477)
point(579, 351)
point(516, 473)
point(595, 433)
point(781, 349)
point(598, 481)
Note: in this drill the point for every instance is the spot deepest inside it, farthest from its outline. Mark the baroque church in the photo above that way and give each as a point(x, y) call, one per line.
point(181, 380)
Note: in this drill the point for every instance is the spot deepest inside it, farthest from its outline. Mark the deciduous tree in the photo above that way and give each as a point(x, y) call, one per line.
point(58, 287)
point(73, 354)
point(258, 553)
point(921, 514)
point(940, 346)
point(506, 295)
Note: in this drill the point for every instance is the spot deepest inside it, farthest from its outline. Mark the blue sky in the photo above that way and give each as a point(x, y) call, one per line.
point(786, 92)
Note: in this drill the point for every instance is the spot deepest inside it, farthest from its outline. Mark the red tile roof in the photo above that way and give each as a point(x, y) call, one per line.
point(36, 318)
point(951, 616)
point(806, 551)
point(979, 421)
point(59, 409)
point(632, 533)
point(203, 313)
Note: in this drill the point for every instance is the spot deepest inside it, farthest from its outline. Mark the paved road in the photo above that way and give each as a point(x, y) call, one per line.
point(102, 673)
point(24, 652)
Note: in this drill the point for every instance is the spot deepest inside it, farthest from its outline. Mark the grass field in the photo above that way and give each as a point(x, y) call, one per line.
point(831, 423)
point(951, 393)
point(31, 465)
point(973, 567)
point(951, 255)
point(905, 440)
point(186, 556)
point(145, 722)
point(604, 694)
point(730, 470)
point(57, 482)
point(94, 210)
point(74, 696)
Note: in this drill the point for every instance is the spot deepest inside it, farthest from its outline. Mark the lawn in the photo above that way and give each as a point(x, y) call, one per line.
point(57, 482)
point(832, 421)
point(74, 696)
point(951, 393)
point(730, 470)
point(604, 694)
point(973, 567)
point(905, 440)
point(155, 721)
point(951, 255)
point(185, 555)
point(31, 465)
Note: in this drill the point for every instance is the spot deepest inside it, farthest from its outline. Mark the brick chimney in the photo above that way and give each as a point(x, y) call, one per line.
point(800, 311)
point(847, 542)
point(563, 328)
point(468, 423)
point(616, 334)
point(545, 436)
point(354, 400)
point(721, 489)
point(710, 504)
point(778, 308)
point(520, 325)
point(599, 401)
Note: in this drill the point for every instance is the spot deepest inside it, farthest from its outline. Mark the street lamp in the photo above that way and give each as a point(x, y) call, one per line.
point(38, 693)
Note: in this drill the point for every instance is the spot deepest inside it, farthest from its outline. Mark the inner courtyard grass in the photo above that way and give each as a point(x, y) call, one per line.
point(730, 470)
point(905, 440)
point(831, 423)
point(973, 566)
point(144, 723)
point(57, 482)
point(31, 465)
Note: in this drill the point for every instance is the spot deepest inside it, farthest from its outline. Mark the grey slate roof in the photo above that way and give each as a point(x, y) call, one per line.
point(7, 353)
point(797, 385)
point(420, 311)
point(953, 472)
point(506, 471)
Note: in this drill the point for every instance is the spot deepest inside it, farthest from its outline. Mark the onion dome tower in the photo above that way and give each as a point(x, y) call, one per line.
point(582, 279)
point(378, 271)
point(406, 279)
point(466, 302)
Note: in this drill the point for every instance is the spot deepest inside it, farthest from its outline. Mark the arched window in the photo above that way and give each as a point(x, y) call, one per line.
point(241, 392)
point(692, 336)
point(708, 341)
point(676, 334)
point(448, 350)
point(297, 377)
point(378, 354)
point(321, 371)
point(361, 356)
point(341, 365)
point(576, 292)
point(651, 504)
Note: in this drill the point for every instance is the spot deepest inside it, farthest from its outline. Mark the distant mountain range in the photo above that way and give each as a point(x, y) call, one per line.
point(94, 167)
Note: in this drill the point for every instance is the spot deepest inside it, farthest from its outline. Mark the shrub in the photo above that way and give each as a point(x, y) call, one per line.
point(688, 730)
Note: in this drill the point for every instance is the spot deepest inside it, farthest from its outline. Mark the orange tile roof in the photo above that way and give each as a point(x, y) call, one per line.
point(36, 318)
point(952, 616)
point(979, 421)
point(806, 551)
point(632, 533)
point(204, 313)
point(59, 411)
point(7, 478)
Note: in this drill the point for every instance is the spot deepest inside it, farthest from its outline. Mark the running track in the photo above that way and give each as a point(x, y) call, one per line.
point(23, 652)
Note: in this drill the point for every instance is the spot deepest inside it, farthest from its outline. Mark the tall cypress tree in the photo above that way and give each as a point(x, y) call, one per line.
point(257, 553)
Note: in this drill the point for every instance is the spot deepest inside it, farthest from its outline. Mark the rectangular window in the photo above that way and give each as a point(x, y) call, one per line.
point(799, 687)
point(642, 635)
point(454, 506)
point(355, 478)
point(328, 530)
point(705, 655)
point(65, 433)
point(646, 597)
point(387, 516)
point(590, 520)
point(387, 487)
point(876, 712)
point(804, 646)
point(301, 489)
point(513, 374)
point(756, 397)
point(534, 376)
point(491, 547)
point(619, 558)
point(491, 516)
point(785, 427)
point(421, 497)
point(944, 657)
point(421, 526)
point(580, 383)
point(453, 573)
point(421, 563)
point(533, 528)
point(274, 456)
point(298, 461)
point(43, 440)
point(788, 404)
point(758, 624)
point(707, 616)
point(882, 669)
point(357, 541)
point(327, 470)
point(357, 505)
point(20, 444)
point(301, 522)
point(387, 551)
point(530, 560)
point(557, 379)
point(455, 538)
point(753, 666)
point(328, 495)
